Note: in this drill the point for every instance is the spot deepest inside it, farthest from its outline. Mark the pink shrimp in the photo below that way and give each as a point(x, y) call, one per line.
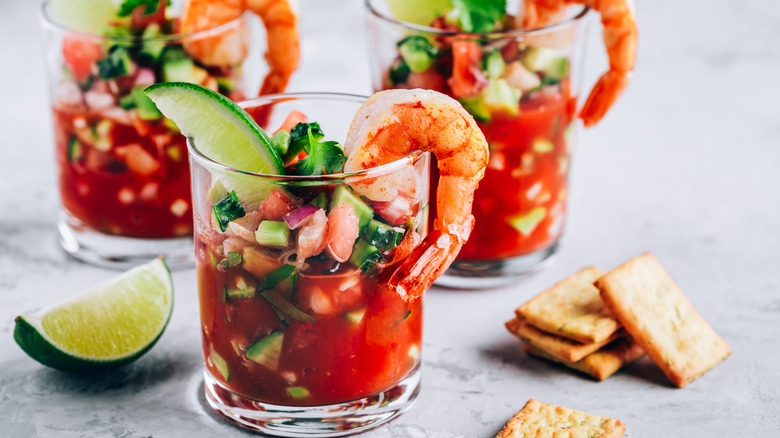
point(394, 123)
point(230, 47)
point(620, 39)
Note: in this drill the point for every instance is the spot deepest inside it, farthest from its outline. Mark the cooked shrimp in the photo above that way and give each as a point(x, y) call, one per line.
point(620, 39)
point(394, 123)
point(230, 47)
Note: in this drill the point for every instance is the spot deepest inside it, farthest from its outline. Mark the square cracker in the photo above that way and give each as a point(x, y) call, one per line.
point(572, 309)
point(651, 307)
point(556, 346)
point(600, 364)
point(540, 420)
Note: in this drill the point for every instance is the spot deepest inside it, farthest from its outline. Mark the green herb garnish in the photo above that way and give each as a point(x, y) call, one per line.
point(324, 157)
point(477, 15)
point(299, 139)
point(128, 6)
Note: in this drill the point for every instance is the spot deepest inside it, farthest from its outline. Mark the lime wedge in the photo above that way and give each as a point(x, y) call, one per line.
point(221, 130)
point(85, 15)
point(418, 11)
point(103, 327)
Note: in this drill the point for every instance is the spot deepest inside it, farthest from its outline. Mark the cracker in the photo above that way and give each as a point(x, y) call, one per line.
point(556, 346)
point(651, 307)
point(600, 364)
point(540, 420)
point(572, 309)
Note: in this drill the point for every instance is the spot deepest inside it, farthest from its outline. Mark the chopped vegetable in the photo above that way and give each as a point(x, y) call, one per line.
point(477, 15)
point(281, 141)
point(279, 275)
point(298, 392)
point(299, 139)
point(417, 52)
point(383, 236)
point(116, 64)
point(266, 351)
point(128, 6)
point(273, 233)
point(286, 307)
point(226, 210)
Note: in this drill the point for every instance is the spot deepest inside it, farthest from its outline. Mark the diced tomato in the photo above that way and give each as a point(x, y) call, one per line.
point(293, 119)
point(276, 205)
point(428, 79)
point(80, 55)
point(467, 78)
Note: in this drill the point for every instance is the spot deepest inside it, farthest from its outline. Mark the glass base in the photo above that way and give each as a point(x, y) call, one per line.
point(119, 252)
point(341, 419)
point(484, 274)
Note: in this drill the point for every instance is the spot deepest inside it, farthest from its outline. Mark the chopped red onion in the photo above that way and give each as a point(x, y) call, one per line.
point(298, 217)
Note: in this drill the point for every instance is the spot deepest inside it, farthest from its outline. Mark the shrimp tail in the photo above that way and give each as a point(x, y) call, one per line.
point(603, 96)
point(417, 272)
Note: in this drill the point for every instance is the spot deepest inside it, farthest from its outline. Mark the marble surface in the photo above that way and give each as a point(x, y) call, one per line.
point(685, 166)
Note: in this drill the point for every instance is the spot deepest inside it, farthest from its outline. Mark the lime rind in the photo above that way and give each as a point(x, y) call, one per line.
point(30, 335)
point(222, 130)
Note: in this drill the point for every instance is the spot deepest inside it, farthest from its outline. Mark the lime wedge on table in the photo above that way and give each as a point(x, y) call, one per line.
point(85, 15)
point(103, 327)
point(221, 130)
point(418, 11)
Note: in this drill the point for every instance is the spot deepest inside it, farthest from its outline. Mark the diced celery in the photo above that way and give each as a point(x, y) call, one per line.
point(273, 233)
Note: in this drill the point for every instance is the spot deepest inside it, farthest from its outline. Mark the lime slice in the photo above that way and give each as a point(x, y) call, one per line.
point(222, 130)
point(103, 327)
point(418, 11)
point(85, 15)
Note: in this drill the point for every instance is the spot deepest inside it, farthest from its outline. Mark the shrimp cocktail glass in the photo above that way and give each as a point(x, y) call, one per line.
point(518, 74)
point(123, 169)
point(313, 250)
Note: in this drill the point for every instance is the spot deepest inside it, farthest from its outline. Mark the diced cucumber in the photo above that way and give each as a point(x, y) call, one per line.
point(75, 150)
point(528, 222)
point(234, 258)
point(383, 236)
point(548, 61)
point(177, 66)
point(226, 210)
point(422, 220)
point(226, 84)
point(321, 201)
point(152, 48)
point(240, 287)
point(273, 233)
point(356, 316)
point(417, 52)
point(127, 102)
point(116, 64)
point(266, 351)
point(476, 107)
point(220, 364)
point(344, 195)
point(398, 72)
point(542, 145)
point(147, 110)
point(499, 96)
point(280, 303)
point(365, 255)
point(278, 276)
point(494, 65)
point(281, 142)
point(298, 392)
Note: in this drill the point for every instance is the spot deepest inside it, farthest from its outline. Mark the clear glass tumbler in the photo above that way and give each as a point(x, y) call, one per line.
point(522, 88)
point(123, 170)
point(298, 344)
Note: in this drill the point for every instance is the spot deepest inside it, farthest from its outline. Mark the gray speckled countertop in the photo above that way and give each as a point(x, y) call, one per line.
point(686, 166)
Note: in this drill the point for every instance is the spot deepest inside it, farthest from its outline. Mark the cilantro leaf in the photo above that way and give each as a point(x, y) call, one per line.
point(128, 6)
point(299, 138)
point(477, 15)
point(322, 157)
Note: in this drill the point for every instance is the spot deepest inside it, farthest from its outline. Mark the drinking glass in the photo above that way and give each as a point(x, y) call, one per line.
point(123, 168)
point(528, 82)
point(310, 346)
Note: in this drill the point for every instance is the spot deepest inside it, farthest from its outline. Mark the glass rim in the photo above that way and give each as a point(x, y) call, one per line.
point(48, 20)
point(333, 178)
point(512, 33)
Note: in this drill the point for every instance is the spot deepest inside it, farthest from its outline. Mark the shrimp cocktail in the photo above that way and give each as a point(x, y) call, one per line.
point(313, 247)
point(123, 169)
point(518, 75)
